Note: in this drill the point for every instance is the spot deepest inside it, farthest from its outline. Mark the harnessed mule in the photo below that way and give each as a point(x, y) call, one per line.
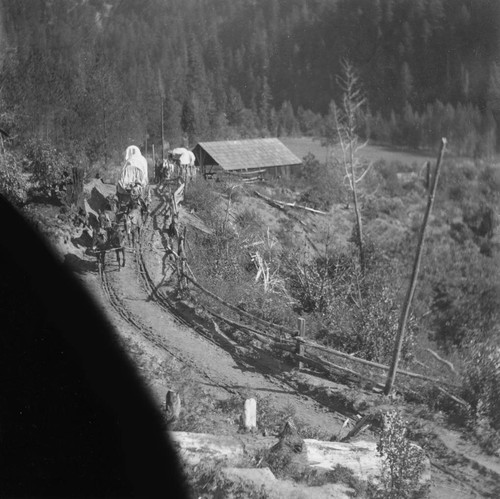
point(133, 224)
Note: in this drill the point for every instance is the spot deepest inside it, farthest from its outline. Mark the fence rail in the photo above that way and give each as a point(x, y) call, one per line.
point(303, 345)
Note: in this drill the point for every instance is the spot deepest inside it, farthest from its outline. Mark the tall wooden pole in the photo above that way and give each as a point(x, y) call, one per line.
point(414, 276)
point(162, 134)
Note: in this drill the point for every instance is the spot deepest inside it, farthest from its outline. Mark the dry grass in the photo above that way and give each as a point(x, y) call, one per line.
point(301, 146)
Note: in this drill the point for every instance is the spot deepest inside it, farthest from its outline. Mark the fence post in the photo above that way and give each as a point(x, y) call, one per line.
point(179, 263)
point(182, 261)
point(301, 326)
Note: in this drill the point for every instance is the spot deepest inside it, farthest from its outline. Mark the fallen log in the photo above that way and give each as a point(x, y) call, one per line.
point(361, 457)
point(289, 205)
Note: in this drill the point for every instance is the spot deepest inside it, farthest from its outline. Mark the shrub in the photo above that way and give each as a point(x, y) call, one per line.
point(465, 294)
point(482, 378)
point(324, 184)
point(13, 184)
point(490, 181)
point(249, 221)
point(47, 166)
point(389, 175)
point(202, 198)
point(374, 206)
point(359, 312)
point(402, 462)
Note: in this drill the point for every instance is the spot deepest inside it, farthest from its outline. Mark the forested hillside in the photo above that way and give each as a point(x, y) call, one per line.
point(91, 73)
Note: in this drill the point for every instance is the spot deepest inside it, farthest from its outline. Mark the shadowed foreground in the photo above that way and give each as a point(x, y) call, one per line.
point(75, 420)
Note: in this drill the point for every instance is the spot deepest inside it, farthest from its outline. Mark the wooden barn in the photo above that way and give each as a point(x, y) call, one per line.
point(265, 157)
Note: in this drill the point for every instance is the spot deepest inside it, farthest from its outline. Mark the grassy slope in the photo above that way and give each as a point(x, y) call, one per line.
point(301, 146)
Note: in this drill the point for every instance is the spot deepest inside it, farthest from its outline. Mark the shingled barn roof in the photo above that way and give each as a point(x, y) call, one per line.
point(245, 154)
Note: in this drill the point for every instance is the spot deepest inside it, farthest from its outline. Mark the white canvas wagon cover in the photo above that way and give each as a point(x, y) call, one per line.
point(135, 168)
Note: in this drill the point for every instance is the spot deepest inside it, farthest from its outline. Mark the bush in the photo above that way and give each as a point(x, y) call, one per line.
point(249, 221)
point(374, 206)
point(324, 184)
point(353, 312)
point(402, 462)
point(482, 378)
point(465, 293)
point(389, 175)
point(201, 197)
point(13, 185)
point(490, 181)
point(48, 167)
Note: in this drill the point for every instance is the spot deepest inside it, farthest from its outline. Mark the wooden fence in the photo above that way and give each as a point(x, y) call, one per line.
point(294, 341)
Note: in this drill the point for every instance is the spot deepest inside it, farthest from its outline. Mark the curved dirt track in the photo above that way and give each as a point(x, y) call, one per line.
point(129, 295)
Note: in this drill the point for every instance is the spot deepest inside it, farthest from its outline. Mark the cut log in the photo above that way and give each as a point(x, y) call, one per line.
point(200, 447)
point(361, 457)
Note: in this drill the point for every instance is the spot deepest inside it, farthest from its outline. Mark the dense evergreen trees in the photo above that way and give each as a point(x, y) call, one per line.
point(94, 72)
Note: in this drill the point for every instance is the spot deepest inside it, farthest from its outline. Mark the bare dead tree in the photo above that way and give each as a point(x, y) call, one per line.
point(346, 122)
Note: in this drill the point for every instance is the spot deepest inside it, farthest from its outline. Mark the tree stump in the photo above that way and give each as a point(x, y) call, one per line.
point(173, 406)
point(289, 439)
point(289, 454)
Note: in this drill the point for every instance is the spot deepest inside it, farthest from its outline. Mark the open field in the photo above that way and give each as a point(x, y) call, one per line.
point(301, 146)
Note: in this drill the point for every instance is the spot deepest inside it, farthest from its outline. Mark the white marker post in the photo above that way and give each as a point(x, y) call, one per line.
point(250, 415)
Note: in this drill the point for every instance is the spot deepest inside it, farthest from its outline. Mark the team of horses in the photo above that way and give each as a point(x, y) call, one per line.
point(120, 221)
